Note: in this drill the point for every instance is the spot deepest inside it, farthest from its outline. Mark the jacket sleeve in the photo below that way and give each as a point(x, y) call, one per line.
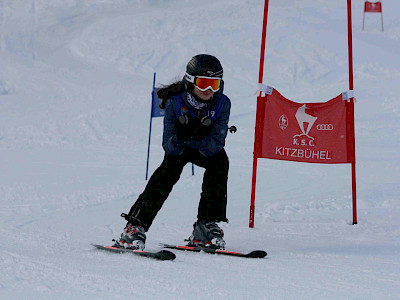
point(215, 141)
point(171, 145)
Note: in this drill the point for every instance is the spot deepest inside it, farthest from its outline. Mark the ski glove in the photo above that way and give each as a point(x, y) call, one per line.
point(188, 128)
point(203, 128)
point(183, 128)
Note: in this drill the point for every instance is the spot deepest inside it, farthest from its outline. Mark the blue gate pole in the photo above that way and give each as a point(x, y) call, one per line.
point(151, 118)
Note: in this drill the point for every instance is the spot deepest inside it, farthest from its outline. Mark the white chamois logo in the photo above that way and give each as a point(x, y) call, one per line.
point(305, 121)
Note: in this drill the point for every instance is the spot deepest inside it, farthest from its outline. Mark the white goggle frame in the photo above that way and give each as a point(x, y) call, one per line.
point(192, 78)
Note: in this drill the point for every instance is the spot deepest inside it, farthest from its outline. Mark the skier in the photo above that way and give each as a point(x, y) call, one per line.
point(195, 127)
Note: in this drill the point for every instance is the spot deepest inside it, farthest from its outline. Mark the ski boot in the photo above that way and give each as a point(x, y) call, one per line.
point(207, 234)
point(133, 237)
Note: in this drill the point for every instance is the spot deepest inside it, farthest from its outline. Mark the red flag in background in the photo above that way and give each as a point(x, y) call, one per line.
point(304, 132)
point(373, 7)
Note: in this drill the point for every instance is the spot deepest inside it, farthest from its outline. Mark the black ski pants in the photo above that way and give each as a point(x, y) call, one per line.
point(213, 199)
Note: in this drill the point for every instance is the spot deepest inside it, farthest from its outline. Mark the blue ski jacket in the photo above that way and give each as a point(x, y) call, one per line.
point(218, 111)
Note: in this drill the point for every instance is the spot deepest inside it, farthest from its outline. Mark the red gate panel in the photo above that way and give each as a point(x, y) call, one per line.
point(304, 132)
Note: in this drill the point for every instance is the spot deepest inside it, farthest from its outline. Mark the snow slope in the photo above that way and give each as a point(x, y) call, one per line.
point(75, 84)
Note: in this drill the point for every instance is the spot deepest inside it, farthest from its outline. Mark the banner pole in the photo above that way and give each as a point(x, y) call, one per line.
point(350, 107)
point(363, 20)
point(260, 79)
point(263, 38)
point(253, 193)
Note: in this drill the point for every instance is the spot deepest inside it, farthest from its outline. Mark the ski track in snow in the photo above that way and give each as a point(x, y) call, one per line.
point(75, 83)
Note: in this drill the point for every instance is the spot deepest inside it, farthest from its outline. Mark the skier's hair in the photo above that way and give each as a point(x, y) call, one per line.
point(167, 91)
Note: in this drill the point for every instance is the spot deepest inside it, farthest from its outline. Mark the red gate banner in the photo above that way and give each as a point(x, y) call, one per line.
point(373, 7)
point(303, 132)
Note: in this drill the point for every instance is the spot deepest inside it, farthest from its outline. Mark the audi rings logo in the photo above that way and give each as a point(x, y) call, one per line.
point(325, 127)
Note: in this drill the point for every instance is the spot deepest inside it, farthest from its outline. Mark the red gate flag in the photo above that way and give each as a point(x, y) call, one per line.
point(373, 7)
point(304, 132)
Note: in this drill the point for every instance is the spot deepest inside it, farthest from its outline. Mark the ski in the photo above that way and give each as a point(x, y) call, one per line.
point(252, 254)
point(160, 255)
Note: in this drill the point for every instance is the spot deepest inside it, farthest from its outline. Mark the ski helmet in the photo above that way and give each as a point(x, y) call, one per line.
point(204, 65)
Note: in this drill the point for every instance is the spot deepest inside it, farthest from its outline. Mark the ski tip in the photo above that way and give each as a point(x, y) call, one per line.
point(258, 254)
point(166, 255)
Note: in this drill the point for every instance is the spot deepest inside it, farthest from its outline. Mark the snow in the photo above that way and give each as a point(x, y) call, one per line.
point(75, 84)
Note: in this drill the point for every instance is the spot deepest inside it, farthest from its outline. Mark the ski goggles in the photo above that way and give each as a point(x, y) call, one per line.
point(204, 83)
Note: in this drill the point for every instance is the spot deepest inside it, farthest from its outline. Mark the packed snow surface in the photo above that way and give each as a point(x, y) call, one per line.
point(75, 87)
